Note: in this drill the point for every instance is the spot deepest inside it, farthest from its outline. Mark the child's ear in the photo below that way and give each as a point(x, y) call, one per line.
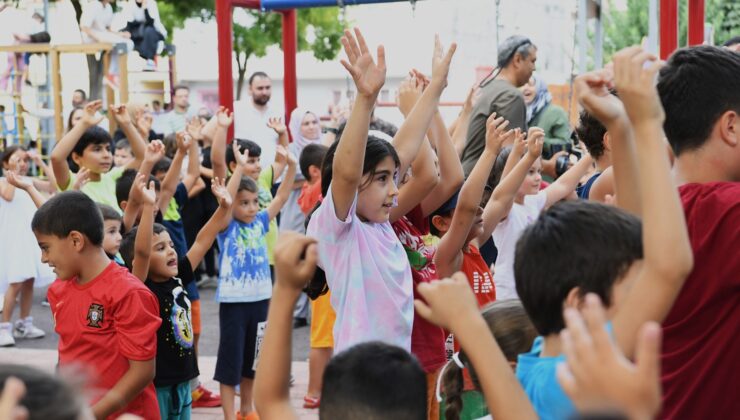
point(232, 167)
point(729, 128)
point(76, 158)
point(123, 205)
point(77, 239)
point(574, 299)
point(314, 171)
point(440, 223)
point(607, 141)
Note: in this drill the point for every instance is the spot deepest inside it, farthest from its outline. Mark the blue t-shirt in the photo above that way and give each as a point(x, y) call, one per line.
point(172, 221)
point(584, 190)
point(244, 270)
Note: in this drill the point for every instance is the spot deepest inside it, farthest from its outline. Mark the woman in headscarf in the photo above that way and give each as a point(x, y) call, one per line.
point(541, 112)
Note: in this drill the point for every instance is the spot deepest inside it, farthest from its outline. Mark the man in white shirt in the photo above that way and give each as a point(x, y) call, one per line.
point(251, 117)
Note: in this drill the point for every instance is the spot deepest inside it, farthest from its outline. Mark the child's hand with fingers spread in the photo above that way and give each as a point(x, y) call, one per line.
point(472, 98)
point(219, 190)
point(441, 61)
point(409, 93)
point(91, 117)
point(277, 124)
point(519, 143)
point(535, 141)
point(295, 260)
point(448, 301)
point(154, 152)
point(241, 158)
point(148, 192)
point(193, 127)
point(82, 178)
point(120, 113)
point(183, 141)
point(136, 195)
point(597, 376)
point(224, 117)
point(496, 133)
point(368, 76)
point(635, 82)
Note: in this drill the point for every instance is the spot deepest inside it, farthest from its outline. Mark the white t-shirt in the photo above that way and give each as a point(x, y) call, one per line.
point(97, 17)
point(251, 124)
point(369, 276)
point(506, 235)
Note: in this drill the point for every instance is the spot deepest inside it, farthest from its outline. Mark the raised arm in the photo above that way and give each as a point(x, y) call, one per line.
point(451, 174)
point(283, 192)
point(192, 176)
point(25, 184)
point(369, 78)
point(458, 131)
point(567, 183)
point(502, 199)
point(172, 178)
point(224, 119)
point(449, 250)
point(277, 124)
point(64, 147)
point(215, 224)
point(48, 186)
point(409, 137)
point(668, 258)
point(450, 303)
point(594, 96)
point(138, 144)
point(143, 241)
point(295, 264)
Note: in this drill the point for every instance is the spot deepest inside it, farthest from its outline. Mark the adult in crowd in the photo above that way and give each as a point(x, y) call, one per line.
point(146, 29)
point(252, 114)
point(177, 118)
point(79, 98)
point(95, 26)
point(500, 94)
point(542, 113)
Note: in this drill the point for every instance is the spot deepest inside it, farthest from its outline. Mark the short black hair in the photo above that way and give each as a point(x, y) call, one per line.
point(93, 135)
point(82, 93)
point(372, 381)
point(311, 155)
point(179, 87)
point(69, 211)
point(579, 243)
point(732, 41)
point(123, 144)
point(128, 243)
point(591, 132)
point(124, 183)
point(257, 74)
point(696, 86)
point(254, 150)
point(47, 396)
point(247, 183)
point(163, 165)
point(109, 213)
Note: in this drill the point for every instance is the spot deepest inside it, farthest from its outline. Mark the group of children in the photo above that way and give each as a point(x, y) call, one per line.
point(409, 321)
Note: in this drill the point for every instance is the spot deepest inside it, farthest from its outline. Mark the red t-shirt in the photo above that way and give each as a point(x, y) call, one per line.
point(479, 276)
point(427, 340)
point(310, 195)
point(701, 345)
point(102, 325)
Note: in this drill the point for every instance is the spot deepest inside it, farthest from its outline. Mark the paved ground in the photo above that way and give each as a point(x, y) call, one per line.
point(42, 352)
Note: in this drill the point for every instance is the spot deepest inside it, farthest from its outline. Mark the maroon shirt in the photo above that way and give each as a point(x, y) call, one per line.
point(701, 334)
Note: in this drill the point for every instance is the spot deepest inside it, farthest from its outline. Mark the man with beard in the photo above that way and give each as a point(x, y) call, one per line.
point(251, 116)
point(176, 119)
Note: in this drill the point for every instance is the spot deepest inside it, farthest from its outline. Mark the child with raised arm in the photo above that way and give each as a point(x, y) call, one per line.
point(636, 269)
point(168, 274)
point(105, 317)
point(89, 146)
point(244, 286)
point(371, 282)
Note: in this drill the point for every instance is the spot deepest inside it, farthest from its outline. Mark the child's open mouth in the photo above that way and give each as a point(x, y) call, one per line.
point(172, 263)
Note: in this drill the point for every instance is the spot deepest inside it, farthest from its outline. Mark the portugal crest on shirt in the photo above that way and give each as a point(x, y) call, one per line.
point(95, 315)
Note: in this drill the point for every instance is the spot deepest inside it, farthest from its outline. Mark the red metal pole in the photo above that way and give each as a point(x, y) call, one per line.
point(668, 27)
point(225, 74)
point(290, 49)
point(696, 22)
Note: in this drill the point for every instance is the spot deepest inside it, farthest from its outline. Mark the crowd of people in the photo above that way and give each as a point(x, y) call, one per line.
point(487, 267)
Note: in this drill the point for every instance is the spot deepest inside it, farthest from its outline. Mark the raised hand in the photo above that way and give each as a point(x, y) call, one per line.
point(17, 180)
point(121, 115)
point(34, 156)
point(409, 93)
point(277, 124)
point(219, 190)
point(421, 77)
point(183, 141)
point(597, 375)
point(368, 76)
point(593, 94)
point(193, 127)
point(472, 98)
point(144, 123)
point(154, 152)
point(281, 155)
point(241, 158)
point(295, 260)
point(635, 82)
point(496, 133)
point(447, 301)
point(224, 117)
point(82, 178)
point(519, 145)
point(91, 117)
point(535, 141)
point(441, 61)
point(148, 192)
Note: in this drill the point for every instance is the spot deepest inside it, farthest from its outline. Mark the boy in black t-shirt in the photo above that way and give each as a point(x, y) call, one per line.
point(149, 248)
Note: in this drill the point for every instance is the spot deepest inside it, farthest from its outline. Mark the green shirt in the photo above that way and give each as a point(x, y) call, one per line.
point(103, 191)
point(474, 406)
point(265, 198)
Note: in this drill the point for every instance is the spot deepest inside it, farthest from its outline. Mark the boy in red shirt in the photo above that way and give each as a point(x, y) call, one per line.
point(107, 320)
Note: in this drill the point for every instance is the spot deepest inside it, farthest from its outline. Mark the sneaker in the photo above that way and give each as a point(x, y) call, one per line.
point(205, 398)
point(150, 65)
point(45, 302)
point(24, 328)
point(6, 337)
